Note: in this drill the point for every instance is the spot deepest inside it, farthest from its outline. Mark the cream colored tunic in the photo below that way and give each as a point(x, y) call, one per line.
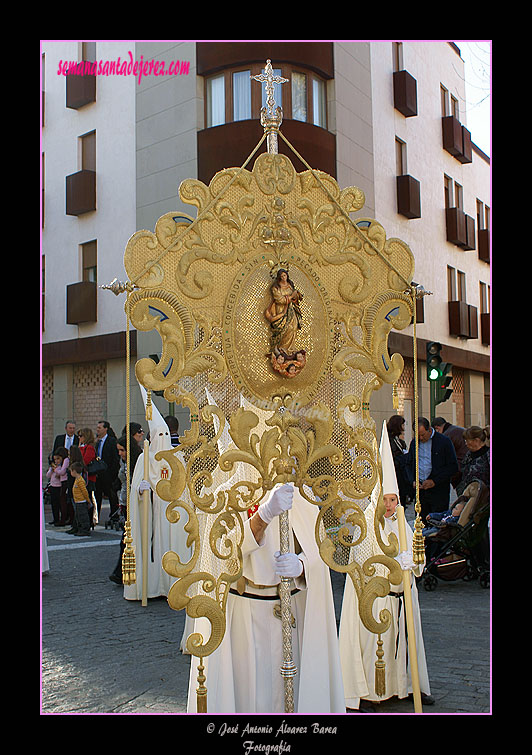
point(358, 646)
point(243, 673)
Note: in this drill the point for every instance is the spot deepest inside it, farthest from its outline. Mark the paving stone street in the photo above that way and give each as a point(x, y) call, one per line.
point(103, 654)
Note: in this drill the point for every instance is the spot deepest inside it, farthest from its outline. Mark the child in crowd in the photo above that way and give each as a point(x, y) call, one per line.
point(437, 520)
point(74, 454)
point(57, 474)
point(81, 498)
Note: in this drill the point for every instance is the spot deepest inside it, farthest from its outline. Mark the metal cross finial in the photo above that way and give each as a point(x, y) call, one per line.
point(270, 116)
point(270, 79)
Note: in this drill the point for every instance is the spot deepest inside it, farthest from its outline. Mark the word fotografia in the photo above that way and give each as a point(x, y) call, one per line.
point(120, 67)
point(278, 749)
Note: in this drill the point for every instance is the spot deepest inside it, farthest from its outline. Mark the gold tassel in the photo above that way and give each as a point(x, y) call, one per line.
point(148, 405)
point(129, 576)
point(395, 397)
point(201, 692)
point(418, 542)
point(380, 670)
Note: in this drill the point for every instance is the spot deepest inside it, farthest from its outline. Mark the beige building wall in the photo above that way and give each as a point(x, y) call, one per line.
point(350, 116)
point(112, 116)
point(432, 64)
point(169, 113)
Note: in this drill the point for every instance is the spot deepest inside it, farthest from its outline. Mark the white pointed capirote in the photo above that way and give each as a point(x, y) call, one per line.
point(159, 432)
point(389, 478)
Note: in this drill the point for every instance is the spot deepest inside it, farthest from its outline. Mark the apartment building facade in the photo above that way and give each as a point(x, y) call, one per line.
point(383, 116)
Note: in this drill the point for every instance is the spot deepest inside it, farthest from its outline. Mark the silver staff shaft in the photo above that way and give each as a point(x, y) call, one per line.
point(288, 668)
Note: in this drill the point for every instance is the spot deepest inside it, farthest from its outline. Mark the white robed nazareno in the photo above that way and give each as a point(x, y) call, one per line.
point(243, 673)
point(358, 645)
point(163, 535)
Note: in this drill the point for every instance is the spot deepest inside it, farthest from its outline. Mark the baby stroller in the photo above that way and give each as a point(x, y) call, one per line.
point(463, 548)
point(117, 519)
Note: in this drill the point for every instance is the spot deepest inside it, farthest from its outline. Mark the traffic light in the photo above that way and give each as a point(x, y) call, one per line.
point(434, 360)
point(443, 392)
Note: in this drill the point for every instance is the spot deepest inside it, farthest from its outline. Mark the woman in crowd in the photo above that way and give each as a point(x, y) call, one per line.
point(125, 480)
point(476, 462)
point(396, 435)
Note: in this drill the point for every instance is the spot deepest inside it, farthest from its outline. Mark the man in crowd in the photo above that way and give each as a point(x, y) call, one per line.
point(105, 481)
point(437, 466)
point(66, 439)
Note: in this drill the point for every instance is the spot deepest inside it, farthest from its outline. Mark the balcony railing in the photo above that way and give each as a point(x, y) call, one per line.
point(80, 90)
point(456, 139)
point(405, 93)
point(484, 244)
point(460, 228)
point(81, 301)
point(463, 320)
point(81, 192)
point(485, 328)
point(408, 197)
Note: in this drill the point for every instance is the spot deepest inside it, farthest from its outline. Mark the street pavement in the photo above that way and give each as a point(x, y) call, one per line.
point(102, 654)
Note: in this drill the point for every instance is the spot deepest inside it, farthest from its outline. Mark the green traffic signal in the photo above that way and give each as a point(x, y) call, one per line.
point(434, 360)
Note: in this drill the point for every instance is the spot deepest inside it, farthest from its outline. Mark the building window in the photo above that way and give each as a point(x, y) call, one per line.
point(89, 261)
point(444, 94)
point(234, 96)
point(454, 108)
point(449, 103)
point(451, 283)
point(400, 157)
point(88, 51)
point(319, 109)
point(241, 95)
point(483, 216)
point(458, 196)
point(461, 280)
point(398, 64)
point(456, 284)
point(299, 96)
point(447, 191)
point(453, 194)
point(480, 215)
point(215, 101)
point(88, 151)
point(484, 298)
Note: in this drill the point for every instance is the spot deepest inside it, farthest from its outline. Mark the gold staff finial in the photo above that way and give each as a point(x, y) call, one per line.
point(271, 117)
point(118, 287)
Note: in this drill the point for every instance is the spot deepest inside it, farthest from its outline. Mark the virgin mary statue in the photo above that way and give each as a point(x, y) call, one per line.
point(284, 315)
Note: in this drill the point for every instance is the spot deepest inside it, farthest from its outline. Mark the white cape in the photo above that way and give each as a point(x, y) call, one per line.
point(163, 536)
point(243, 673)
point(358, 646)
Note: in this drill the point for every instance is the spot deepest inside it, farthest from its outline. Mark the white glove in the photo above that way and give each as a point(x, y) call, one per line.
point(405, 560)
point(287, 564)
point(144, 485)
point(279, 501)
